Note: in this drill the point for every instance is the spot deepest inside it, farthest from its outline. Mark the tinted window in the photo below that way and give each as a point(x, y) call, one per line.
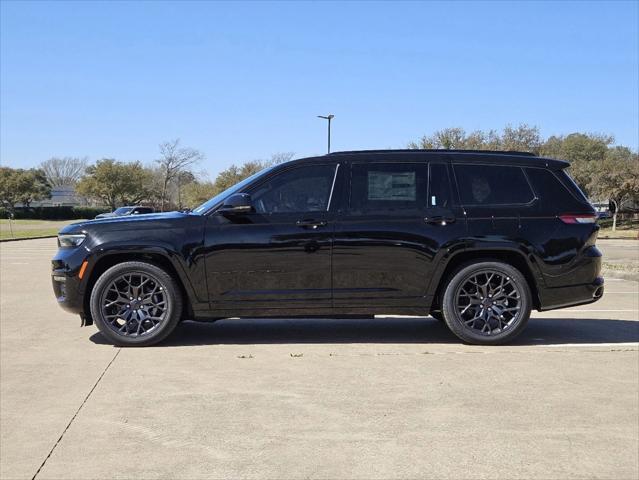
point(398, 188)
point(217, 199)
point(142, 210)
point(439, 186)
point(123, 210)
point(572, 186)
point(301, 189)
point(551, 191)
point(492, 185)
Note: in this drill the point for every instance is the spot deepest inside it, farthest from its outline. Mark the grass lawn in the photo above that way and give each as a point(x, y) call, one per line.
point(625, 229)
point(31, 228)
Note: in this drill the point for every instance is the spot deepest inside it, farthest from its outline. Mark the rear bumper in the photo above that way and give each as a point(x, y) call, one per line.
point(570, 296)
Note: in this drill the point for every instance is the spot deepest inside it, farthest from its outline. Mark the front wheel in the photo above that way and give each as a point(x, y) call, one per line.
point(136, 304)
point(487, 303)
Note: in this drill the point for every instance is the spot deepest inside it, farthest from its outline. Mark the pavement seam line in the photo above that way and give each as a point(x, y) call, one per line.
point(77, 412)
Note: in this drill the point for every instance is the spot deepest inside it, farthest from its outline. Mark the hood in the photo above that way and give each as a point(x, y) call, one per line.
point(124, 222)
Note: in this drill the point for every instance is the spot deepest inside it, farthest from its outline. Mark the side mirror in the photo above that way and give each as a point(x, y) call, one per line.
point(237, 204)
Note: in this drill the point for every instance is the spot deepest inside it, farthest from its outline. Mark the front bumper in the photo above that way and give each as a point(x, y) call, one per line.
point(67, 292)
point(68, 287)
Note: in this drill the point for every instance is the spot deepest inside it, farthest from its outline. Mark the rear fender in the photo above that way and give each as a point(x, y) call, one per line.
point(519, 256)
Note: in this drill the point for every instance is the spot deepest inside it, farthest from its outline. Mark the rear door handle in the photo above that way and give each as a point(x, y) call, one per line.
point(439, 219)
point(311, 224)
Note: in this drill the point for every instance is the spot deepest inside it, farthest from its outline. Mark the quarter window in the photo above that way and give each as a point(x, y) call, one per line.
point(299, 190)
point(492, 185)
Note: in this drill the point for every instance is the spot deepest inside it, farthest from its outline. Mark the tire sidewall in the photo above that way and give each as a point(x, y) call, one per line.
point(171, 289)
point(449, 303)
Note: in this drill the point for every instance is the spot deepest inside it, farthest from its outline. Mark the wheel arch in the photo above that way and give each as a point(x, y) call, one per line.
point(108, 260)
point(511, 256)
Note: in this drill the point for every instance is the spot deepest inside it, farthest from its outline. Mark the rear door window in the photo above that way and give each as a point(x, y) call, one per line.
point(492, 185)
point(388, 188)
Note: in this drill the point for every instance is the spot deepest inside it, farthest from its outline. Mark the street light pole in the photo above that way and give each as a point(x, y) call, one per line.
point(329, 118)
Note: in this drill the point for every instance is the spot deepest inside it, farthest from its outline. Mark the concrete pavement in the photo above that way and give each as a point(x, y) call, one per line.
point(385, 398)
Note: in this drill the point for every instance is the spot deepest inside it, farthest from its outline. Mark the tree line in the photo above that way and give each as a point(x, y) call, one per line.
point(171, 182)
point(603, 170)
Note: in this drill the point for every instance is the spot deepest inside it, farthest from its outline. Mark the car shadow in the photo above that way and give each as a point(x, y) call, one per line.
point(246, 331)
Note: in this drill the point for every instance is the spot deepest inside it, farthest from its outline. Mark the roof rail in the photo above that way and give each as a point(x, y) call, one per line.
point(434, 150)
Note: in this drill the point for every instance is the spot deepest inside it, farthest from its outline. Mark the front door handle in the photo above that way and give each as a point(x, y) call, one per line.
point(439, 219)
point(310, 224)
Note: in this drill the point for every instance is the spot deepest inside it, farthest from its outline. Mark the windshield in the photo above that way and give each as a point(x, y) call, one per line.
point(219, 198)
point(123, 210)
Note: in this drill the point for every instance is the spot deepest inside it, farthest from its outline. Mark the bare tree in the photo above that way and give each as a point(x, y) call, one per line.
point(173, 161)
point(281, 157)
point(64, 171)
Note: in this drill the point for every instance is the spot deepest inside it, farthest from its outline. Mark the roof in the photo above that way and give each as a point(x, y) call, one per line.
point(460, 156)
point(434, 150)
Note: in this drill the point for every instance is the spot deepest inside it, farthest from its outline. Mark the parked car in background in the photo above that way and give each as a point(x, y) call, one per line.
point(124, 211)
point(476, 239)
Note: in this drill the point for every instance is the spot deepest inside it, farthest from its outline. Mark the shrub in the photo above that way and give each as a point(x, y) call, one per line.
point(55, 213)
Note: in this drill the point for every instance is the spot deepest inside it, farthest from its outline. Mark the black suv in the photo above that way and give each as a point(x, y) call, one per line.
point(476, 239)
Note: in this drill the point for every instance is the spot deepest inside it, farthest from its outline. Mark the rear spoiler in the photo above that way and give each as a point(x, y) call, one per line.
point(554, 163)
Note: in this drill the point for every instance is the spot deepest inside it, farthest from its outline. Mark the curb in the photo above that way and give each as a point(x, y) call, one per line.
point(618, 238)
point(25, 238)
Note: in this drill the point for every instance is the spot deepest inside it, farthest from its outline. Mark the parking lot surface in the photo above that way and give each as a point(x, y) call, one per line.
point(393, 397)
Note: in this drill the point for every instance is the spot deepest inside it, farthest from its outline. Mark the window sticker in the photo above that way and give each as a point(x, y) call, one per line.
point(393, 186)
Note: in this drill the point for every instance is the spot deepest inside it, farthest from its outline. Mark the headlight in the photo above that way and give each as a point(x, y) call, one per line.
point(71, 240)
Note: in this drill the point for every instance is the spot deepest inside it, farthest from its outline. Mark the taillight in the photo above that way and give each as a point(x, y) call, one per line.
point(573, 218)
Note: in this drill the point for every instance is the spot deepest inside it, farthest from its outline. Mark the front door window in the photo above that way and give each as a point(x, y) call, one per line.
point(298, 190)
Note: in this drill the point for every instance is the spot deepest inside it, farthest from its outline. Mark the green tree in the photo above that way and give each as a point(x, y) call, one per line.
point(115, 183)
point(39, 188)
point(585, 152)
point(616, 178)
point(196, 193)
point(22, 186)
point(234, 174)
point(521, 138)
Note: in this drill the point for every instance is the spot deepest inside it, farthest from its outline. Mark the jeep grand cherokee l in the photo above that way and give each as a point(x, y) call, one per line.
point(475, 239)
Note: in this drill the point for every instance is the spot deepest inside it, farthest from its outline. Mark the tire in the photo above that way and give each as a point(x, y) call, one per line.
point(437, 315)
point(147, 319)
point(480, 317)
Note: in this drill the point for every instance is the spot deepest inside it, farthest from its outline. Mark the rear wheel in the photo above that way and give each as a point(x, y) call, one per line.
point(136, 304)
point(487, 303)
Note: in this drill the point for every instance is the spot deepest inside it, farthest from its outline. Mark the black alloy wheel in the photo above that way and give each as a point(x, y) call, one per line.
point(487, 303)
point(136, 303)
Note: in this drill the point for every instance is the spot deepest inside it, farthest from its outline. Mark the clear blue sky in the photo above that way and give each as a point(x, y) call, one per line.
point(240, 81)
